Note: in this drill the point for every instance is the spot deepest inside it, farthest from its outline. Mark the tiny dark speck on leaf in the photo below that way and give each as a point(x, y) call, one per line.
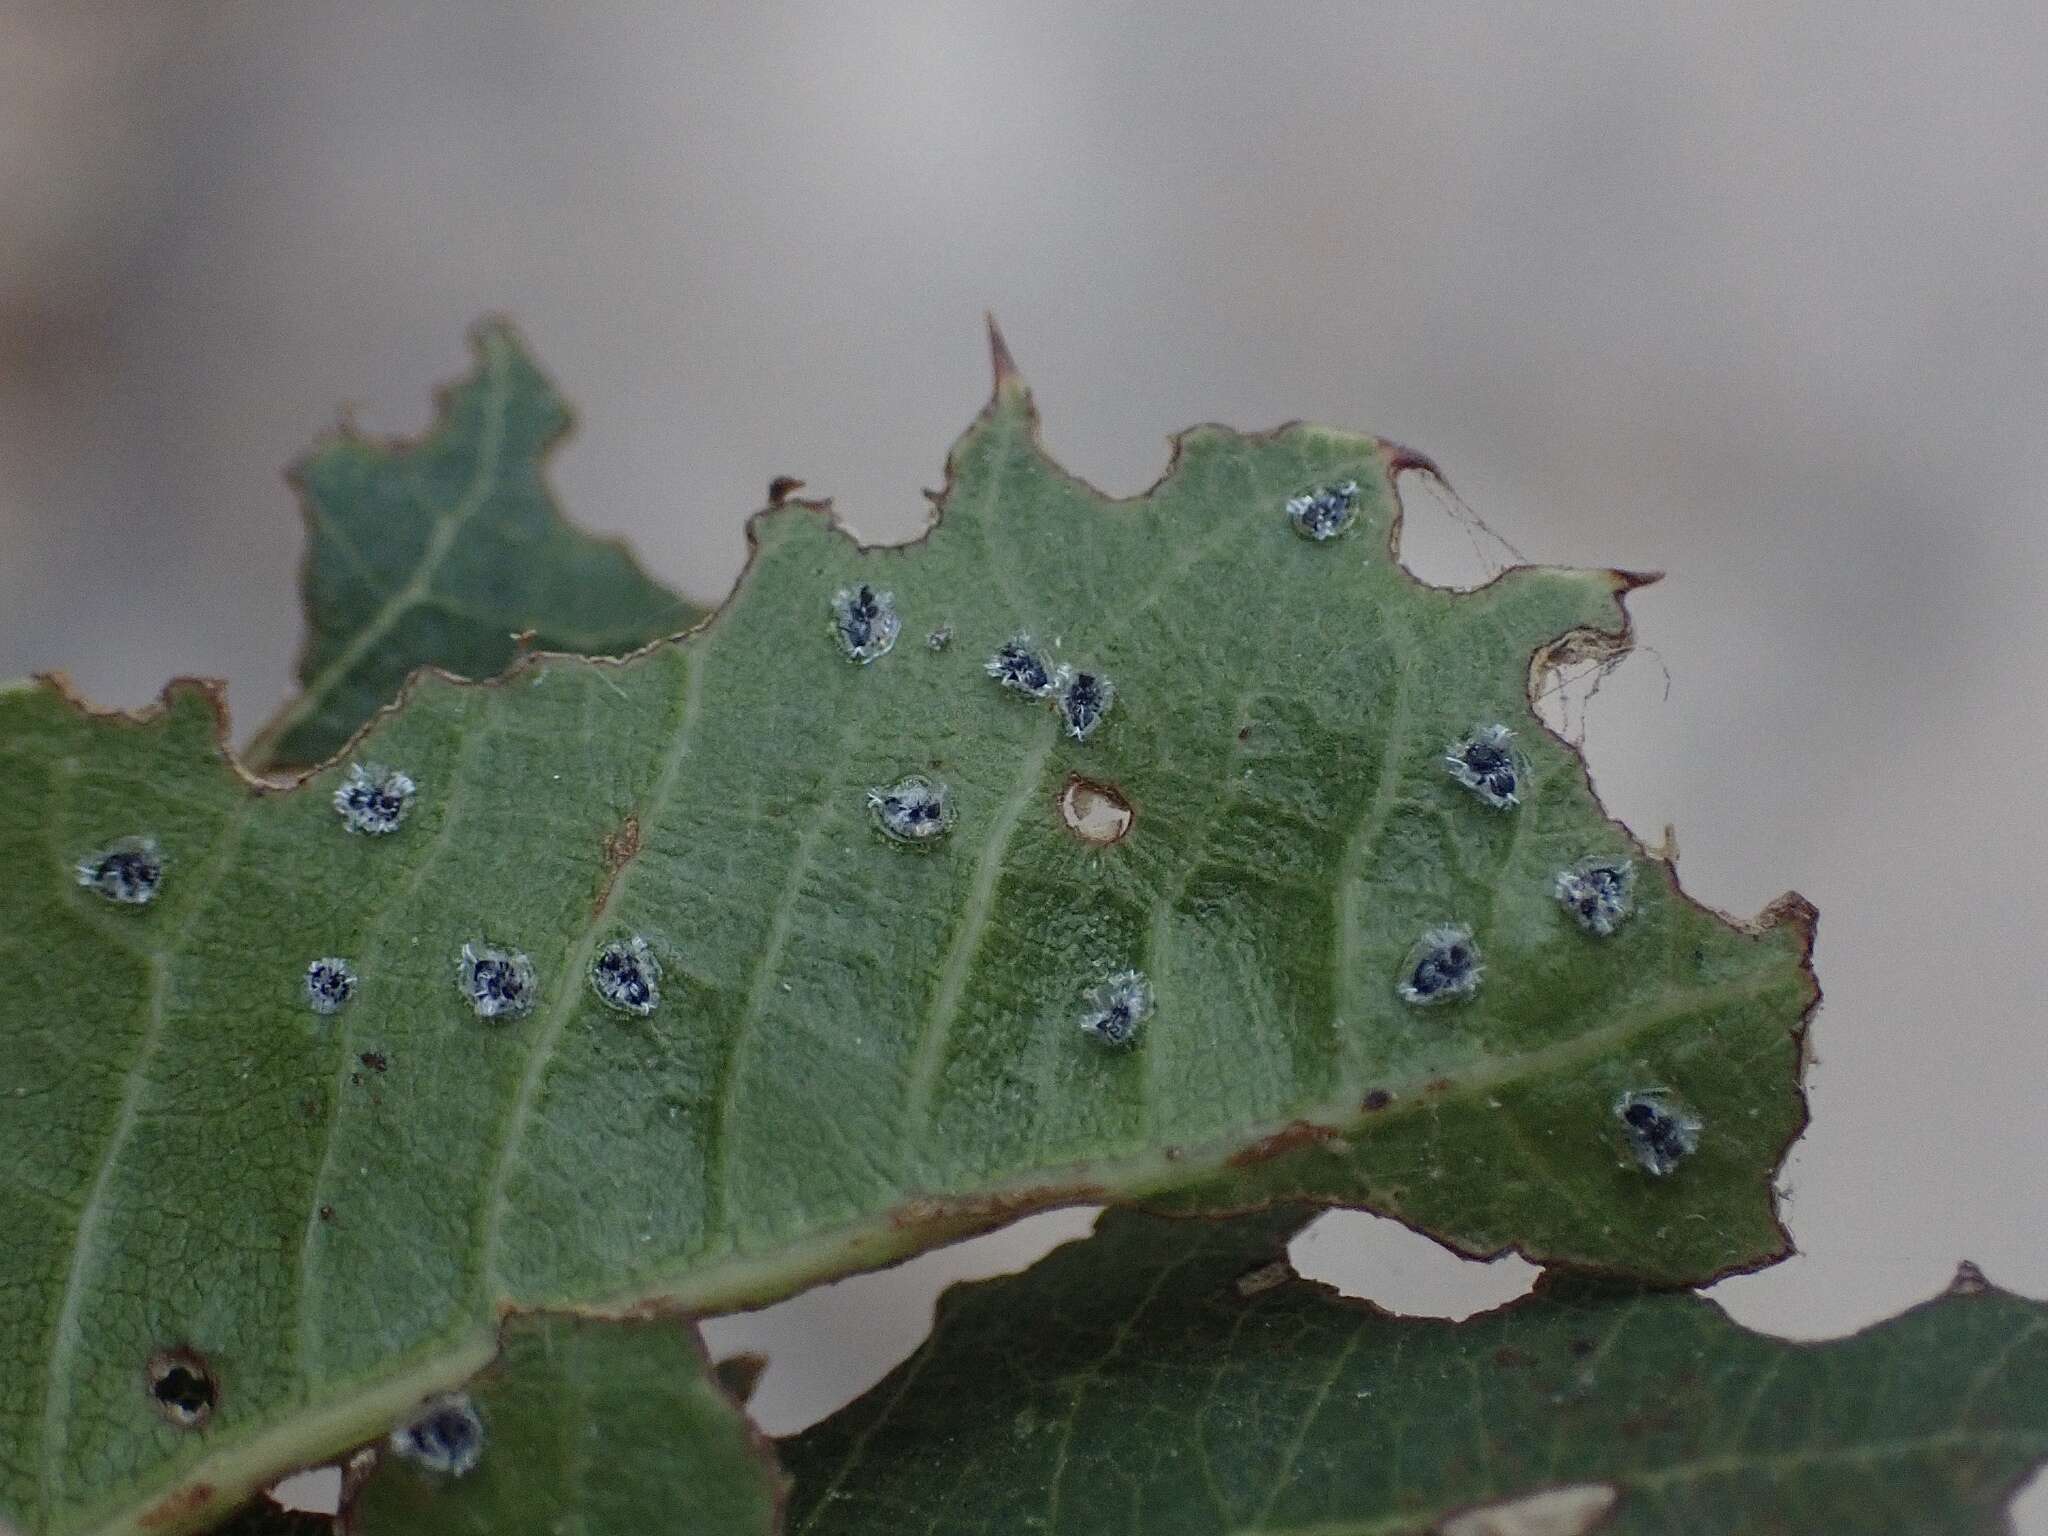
point(327, 1213)
point(376, 1061)
point(1379, 1098)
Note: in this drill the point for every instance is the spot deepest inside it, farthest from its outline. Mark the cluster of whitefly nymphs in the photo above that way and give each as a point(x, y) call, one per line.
point(1487, 763)
point(129, 871)
point(1018, 664)
point(1443, 966)
point(627, 976)
point(1599, 893)
point(1118, 1008)
point(499, 983)
point(447, 1436)
point(1325, 512)
point(1081, 697)
point(330, 982)
point(1660, 1133)
point(374, 800)
point(914, 811)
point(864, 622)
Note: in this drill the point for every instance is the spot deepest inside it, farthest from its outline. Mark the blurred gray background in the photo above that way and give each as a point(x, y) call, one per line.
point(1747, 293)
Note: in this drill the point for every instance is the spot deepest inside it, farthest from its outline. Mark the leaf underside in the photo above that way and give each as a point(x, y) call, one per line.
point(438, 552)
point(595, 1427)
point(1163, 1377)
point(859, 1048)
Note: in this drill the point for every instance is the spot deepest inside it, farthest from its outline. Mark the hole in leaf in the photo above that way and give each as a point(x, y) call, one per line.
point(833, 1342)
point(182, 1387)
point(1095, 813)
point(1443, 541)
point(1377, 1259)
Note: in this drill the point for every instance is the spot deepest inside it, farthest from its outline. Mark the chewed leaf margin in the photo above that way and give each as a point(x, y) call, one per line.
point(1265, 1172)
point(1286, 1164)
point(505, 495)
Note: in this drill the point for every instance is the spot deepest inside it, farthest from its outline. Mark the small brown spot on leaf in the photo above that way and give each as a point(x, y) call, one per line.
point(176, 1507)
point(1094, 812)
point(1244, 733)
point(376, 1061)
point(1265, 1278)
point(619, 850)
point(1301, 1133)
point(327, 1213)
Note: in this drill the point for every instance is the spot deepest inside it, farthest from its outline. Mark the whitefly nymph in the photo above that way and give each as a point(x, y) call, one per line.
point(129, 871)
point(1660, 1132)
point(627, 976)
point(499, 983)
point(1443, 966)
point(447, 1436)
point(1487, 763)
point(864, 622)
point(1599, 893)
point(329, 983)
point(1020, 666)
point(1084, 698)
point(1321, 514)
point(1118, 1008)
point(373, 800)
point(914, 810)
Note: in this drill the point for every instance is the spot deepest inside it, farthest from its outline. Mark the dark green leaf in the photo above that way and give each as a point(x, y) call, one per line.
point(436, 552)
point(1163, 1377)
point(606, 1429)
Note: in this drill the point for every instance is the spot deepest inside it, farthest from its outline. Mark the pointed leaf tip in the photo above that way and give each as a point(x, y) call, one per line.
point(1001, 363)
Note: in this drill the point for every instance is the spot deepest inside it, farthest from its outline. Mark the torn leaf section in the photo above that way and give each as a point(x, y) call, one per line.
point(1136, 1382)
point(438, 551)
point(608, 1429)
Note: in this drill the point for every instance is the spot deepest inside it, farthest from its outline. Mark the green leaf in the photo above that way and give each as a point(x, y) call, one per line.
point(595, 1427)
point(437, 552)
point(1175, 1377)
point(860, 1048)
